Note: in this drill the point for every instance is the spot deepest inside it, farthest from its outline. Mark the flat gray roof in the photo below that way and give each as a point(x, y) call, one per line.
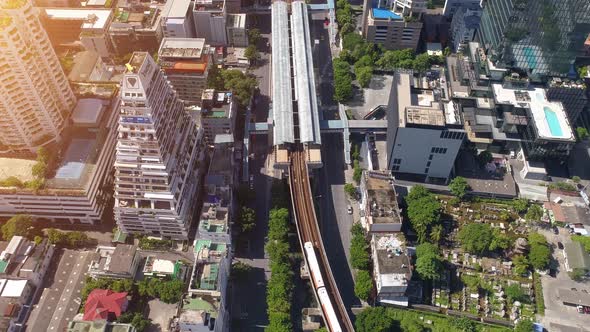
point(305, 92)
point(282, 103)
point(574, 297)
point(176, 8)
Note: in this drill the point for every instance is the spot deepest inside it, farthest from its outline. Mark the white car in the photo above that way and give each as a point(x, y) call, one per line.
point(349, 209)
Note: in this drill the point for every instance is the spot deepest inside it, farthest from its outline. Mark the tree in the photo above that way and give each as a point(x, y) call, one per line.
point(241, 84)
point(515, 293)
point(476, 238)
point(254, 36)
point(500, 241)
point(373, 319)
point(38, 239)
point(396, 59)
point(534, 213)
point(278, 224)
point(19, 225)
point(359, 255)
point(520, 204)
point(417, 191)
point(364, 75)
point(447, 51)
point(524, 325)
point(170, 291)
point(577, 274)
point(464, 324)
point(214, 78)
point(55, 236)
point(279, 322)
point(484, 157)
point(582, 133)
point(521, 264)
point(428, 263)
point(423, 212)
point(576, 179)
point(357, 172)
point(247, 219)
point(411, 324)
point(436, 233)
point(350, 189)
point(352, 40)
point(539, 255)
point(240, 270)
point(76, 238)
point(342, 86)
point(459, 187)
point(251, 53)
point(422, 62)
point(323, 329)
point(139, 322)
point(39, 169)
point(363, 285)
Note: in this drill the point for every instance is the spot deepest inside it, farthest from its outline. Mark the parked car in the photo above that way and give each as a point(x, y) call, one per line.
point(555, 230)
point(349, 209)
point(559, 245)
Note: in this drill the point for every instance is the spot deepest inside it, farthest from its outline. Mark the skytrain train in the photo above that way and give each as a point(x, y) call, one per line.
point(318, 284)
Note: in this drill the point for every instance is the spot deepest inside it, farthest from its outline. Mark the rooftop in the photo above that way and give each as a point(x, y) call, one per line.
point(88, 111)
point(221, 162)
point(194, 310)
point(236, 20)
point(209, 5)
point(182, 48)
point(577, 257)
point(205, 249)
point(122, 257)
point(416, 106)
point(392, 261)
point(382, 198)
point(214, 220)
point(12, 288)
point(98, 326)
point(385, 14)
point(158, 266)
point(146, 17)
point(216, 104)
point(93, 18)
point(549, 117)
point(176, 8)
point(205, 276)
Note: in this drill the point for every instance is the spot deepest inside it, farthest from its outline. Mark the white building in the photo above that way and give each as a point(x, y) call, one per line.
point(237, 35)
point(463, 26)
point(452, 6)
point(421, 135)
point(159, 152)
point(409, 7)
point(79, 190)
point(36, 99)
point(391, 268)
point(177, 19)
point(210, 21)
point(218, 114)
point(379, 203)
point(23, 259)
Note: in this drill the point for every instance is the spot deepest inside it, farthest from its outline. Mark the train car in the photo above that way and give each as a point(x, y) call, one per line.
point(329, 313)
point(313, 265)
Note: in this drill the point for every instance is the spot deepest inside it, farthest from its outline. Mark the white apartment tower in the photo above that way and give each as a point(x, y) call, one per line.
point(35, 97)
point(159, 151)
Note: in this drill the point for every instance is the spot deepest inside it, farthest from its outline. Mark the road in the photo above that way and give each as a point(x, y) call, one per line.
point(262, 69)
point(335, 222)
point(251, 251)
point(322, 59)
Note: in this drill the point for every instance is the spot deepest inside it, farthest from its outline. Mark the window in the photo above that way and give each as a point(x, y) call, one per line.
point(426, 170)
point(395, 168)
point(430, 157)
point(428, 164)
point(397, 161)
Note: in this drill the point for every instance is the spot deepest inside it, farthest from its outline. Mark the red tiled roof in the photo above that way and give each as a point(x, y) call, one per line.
point(102, 303)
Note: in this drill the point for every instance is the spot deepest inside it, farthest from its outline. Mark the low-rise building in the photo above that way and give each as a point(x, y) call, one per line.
point(186, 62)
point(23, 259)
point(164, 268)
point(394, 27)
point(391, 268)
point(79, 189)
point(235, 58)
point(66, 26)
point(576, 257)
point(237, 35)
point(201, 314)
point(218, 113)
point(120, 262)
point(136, 28)
point(104, 304)
point(424, 133)
point(99, 326)
point(15, 299)
point(379, 203)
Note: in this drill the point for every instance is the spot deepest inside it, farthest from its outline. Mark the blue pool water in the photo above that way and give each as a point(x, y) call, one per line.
point(530, 56)
point(552, 121)
point(380, 13)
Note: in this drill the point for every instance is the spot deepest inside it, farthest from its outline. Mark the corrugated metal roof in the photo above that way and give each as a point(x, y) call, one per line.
point(305, 89)
point(282, 105)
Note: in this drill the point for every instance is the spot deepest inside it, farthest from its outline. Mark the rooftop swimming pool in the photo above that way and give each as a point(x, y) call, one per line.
point(552, 121)
point(383, 14)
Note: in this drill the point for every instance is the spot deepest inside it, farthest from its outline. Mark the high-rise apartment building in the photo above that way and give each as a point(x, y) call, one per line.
point(542, 37)
point(35, 97)
point(159, 153)
point(210, 21)
point(186, 63)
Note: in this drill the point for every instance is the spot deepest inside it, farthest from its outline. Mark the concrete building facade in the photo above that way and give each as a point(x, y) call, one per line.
point(463, 27)
point(177, 19)
point(452, 6)
point(186, 63)
point(218, 114)
point(237, 35)
point(159, 154)
point(36, 99)
point(395, 25)
point(210, 21)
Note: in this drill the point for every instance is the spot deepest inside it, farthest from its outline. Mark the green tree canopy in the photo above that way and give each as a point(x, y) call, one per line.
point(363, 75)
point(251, 53)
point(539, 253)
point(582, 133)
point(534, 213)
point(396, 59)
point(515, 293)
point(520, 204)
point(241, 84)
point(352, 40)
point(484, 157)
point(524, 325)
point(19, 225)
point(350, 189)
point(423, 213)
point(373, 319)
point(476, 238)
point(521, 264)
point(247, 219)
point(254, 35)
point(459, 187)
point(428, 263)
point(500, 241)
point(422, 62)
point(363, 285)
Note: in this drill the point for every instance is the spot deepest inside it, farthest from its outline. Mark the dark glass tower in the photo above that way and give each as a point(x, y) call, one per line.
point(542, 37)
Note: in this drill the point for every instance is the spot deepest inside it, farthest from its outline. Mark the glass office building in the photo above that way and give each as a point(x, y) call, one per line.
point(542, 37)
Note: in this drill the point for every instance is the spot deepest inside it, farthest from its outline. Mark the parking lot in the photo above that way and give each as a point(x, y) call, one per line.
point(555, 310)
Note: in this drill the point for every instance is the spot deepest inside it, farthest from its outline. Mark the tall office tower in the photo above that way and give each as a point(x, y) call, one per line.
point(542, 37)
point(35, 97)
point(159, 152)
